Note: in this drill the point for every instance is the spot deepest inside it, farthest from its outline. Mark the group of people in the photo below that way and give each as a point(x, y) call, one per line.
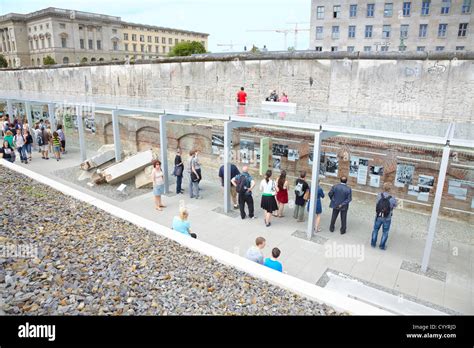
point(194, 176)
point(255, 254)
point(275, 196)
point(273, 97)
point(17, 136)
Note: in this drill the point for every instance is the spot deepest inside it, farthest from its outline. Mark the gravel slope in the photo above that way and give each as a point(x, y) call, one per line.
point(91, 263)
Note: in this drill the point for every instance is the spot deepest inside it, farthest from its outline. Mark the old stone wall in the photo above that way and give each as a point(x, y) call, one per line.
point(408, 86)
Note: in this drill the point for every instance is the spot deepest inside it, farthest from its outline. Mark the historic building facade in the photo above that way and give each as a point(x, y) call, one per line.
point(70, 36)
point(388, 25)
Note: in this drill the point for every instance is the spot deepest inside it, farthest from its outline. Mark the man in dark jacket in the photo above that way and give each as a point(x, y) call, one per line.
point(341, 196)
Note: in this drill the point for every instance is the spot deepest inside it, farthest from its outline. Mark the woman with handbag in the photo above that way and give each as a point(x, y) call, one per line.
point(269, 204)
point(157, 178)
point(178, 171)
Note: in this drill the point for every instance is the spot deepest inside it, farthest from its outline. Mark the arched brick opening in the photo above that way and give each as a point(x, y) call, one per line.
point(109, 133)
point(197, 142)
point(148, 138)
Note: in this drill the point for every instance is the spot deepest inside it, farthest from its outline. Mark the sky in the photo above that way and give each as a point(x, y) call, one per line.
point(227, 21)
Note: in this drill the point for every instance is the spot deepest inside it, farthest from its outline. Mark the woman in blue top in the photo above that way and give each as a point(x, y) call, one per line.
point(181, 223)
point(319, 208)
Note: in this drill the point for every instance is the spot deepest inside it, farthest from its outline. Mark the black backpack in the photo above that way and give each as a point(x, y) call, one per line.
point(383, 207)
point(242, 184)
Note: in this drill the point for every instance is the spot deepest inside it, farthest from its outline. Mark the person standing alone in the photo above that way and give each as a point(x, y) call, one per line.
point(341, 196)
point(242, 96)
point(157, 178)
point(384, 210)
point(178, 171)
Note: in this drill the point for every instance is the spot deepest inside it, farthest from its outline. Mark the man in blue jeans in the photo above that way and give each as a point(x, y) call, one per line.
point(384, 210)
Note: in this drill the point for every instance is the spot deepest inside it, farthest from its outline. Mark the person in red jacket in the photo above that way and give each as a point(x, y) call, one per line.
point(242, 96)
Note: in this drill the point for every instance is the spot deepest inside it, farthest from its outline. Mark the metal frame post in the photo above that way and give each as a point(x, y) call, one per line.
point(164, 152)
point(116, 130)
point(436, 205)
point(314, 184)
point(28, 116)
point(228, 126)
point(52, 116)
point(10, 111)
point(80, 126)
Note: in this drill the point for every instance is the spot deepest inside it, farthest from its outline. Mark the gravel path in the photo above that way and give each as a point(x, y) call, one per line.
point(90, 263)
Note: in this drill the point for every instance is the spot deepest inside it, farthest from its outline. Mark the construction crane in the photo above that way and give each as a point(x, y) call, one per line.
point(285, 32)
point(297, 30)
point(280, 31)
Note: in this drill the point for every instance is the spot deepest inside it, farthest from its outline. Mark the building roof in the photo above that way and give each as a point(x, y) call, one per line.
point(73, 14)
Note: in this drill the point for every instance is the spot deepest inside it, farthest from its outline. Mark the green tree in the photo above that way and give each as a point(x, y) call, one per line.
point(3, 62)
point(48, 60)
point(255, 49)
point(186, 49)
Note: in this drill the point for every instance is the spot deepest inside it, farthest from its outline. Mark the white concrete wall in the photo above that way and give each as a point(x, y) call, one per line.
point(396, 88)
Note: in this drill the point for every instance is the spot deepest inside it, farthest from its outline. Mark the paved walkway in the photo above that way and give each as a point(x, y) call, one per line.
point(350, 254)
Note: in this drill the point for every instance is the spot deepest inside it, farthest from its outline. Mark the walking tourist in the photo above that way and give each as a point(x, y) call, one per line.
point(62, 138)
point(301, 196)
point(234, 171)
point(242, 96)
point(255, 251)
point(181, 223)
point(243, 185)
point(158, 184)
point(384, 210)
point(37, 133)
point(341, 196)
point(19, 141)
point(319, 208)
point(43, 142)
point(178, 171)
point(6, 152)
point(268, 203)
point(282, 192)
point(272, 262)
point(28, 142)
point(56, 146)
point(195, 174)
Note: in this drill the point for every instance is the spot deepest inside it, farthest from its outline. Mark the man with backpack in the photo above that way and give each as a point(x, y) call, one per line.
point(301, 196)
point(244, 185)
point(384, 210)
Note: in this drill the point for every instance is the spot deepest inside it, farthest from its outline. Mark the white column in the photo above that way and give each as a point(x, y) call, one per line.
point(227, 156)
point(436, 205)
point(52, 117)
point(117, 141)
point(164, 152)
point(314, 184)
point(10, 110)
point(28, 116)
point(82, 141)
